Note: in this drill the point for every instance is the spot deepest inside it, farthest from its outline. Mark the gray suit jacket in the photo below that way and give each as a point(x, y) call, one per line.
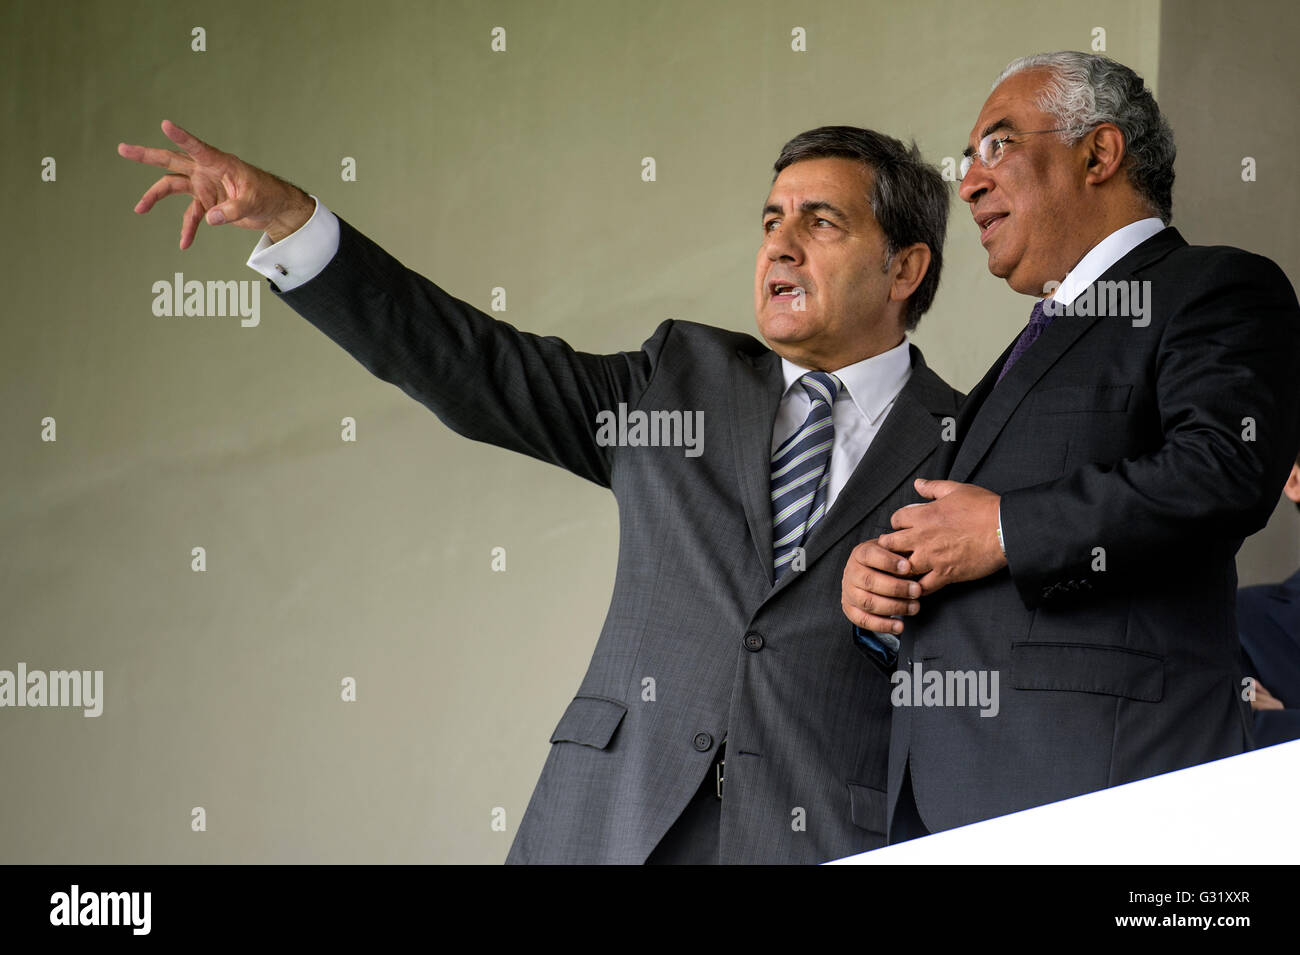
point(768, 668)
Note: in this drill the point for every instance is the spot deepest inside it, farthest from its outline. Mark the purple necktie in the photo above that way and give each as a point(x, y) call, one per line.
point(1037, 322)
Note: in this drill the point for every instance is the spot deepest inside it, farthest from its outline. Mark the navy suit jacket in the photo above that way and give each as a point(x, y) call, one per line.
point(1132, 459)
point(1268, 620)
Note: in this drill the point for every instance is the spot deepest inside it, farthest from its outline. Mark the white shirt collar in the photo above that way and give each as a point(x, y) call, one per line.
point(1103, 255)
point(872, 383)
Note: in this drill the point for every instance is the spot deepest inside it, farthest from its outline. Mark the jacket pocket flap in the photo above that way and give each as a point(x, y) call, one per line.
point(589, 721)
point(867, 806)
point(1071, 398)
point(1086, 668)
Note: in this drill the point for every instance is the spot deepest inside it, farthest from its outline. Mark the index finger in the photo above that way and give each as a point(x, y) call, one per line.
point(901, 520)
point(186, 140)
point(195, 150)
point(167, 159)
point(874, 555)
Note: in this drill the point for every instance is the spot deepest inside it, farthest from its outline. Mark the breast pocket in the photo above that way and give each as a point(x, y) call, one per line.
point(1073, 399)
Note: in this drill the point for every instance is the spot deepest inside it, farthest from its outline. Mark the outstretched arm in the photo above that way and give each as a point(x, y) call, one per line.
point(484, 378)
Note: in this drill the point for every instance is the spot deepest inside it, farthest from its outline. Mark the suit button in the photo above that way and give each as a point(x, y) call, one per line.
point(703, 742)
point(753, 641)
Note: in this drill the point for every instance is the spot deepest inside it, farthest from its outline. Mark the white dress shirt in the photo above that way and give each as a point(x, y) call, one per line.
point(1103, 255)
point(869, 389)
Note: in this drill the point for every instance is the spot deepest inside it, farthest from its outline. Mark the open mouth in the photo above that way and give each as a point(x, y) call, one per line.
point(779, 291)
point(988, 223)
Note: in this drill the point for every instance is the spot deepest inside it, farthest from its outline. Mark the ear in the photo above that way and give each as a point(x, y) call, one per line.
point(910, 265)
point(1292, 487)
point(1105, 152)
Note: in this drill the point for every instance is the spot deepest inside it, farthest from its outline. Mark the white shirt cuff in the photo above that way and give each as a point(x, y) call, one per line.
point(1001, 543)
point(298, 258)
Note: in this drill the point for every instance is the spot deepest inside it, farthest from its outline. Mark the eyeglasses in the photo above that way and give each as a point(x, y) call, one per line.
point(992, 147)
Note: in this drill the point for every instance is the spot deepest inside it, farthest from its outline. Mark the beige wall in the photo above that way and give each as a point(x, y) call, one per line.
point(373, 560)
point(1229, 80)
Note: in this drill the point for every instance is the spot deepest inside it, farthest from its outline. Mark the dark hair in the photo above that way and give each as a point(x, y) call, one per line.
point(1084, 90)
point(909, 197)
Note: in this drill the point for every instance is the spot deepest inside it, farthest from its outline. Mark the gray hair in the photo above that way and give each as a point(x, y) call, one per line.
point(1085, 90)
point(909, 197)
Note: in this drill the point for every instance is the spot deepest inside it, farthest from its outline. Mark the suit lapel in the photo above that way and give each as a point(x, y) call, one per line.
point(989, 408)
point(969, 411)
point(756, 388)
point(1005, 396)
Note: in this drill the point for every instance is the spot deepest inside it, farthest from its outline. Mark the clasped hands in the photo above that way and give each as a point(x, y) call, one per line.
point(950, 538)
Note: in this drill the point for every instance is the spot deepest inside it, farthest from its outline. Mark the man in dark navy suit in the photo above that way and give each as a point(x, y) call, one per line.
point(1080, 555)
point(1268, 620)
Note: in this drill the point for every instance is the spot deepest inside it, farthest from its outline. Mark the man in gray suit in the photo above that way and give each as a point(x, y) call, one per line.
point(765, 736)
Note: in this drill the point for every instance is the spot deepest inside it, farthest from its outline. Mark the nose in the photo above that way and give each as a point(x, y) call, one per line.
point(782, 243)
point(976, 183)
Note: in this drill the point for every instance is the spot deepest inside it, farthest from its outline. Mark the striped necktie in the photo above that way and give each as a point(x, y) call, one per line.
point(801, 471)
